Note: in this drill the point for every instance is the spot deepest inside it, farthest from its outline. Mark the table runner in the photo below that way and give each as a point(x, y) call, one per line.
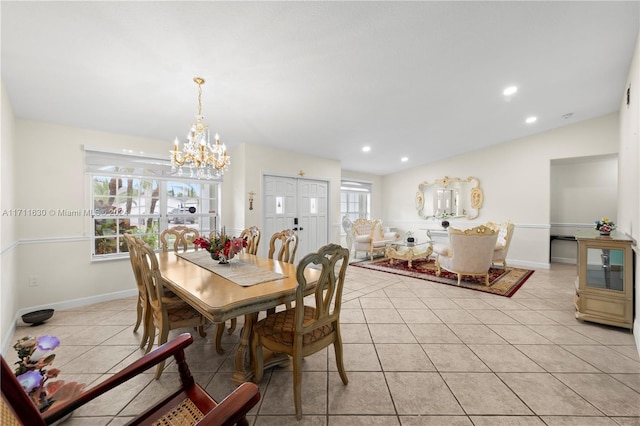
point(241, 273)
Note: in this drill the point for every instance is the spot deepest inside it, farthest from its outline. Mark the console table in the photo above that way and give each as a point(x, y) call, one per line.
point(604, 288)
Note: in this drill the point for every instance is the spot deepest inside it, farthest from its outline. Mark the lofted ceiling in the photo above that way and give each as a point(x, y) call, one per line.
point(417, 79)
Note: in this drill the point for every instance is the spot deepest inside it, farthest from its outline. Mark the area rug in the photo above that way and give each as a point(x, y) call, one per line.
point(502, 283)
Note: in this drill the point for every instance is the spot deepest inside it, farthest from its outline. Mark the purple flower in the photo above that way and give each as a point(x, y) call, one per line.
point(30, 380)
point(48, 343)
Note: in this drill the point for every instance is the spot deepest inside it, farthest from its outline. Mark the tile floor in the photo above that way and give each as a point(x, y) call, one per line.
point(416, 353)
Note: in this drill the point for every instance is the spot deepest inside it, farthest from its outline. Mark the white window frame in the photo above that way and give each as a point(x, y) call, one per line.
point(128, 165)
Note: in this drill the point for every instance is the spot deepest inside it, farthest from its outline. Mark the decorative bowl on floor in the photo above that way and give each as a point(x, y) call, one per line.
point(37, 317)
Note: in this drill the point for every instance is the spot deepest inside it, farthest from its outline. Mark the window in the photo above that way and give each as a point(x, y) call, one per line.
point(355, 199)
point(140, 196)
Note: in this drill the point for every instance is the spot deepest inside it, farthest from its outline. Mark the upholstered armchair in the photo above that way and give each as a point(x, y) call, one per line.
point(370, 238)
point(505, 232)
point(469, 252)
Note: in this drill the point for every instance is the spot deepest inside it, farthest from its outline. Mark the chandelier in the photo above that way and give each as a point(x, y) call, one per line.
point(203, 159)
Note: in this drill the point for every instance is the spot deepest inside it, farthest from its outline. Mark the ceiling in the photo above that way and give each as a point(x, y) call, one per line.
point(417, 79)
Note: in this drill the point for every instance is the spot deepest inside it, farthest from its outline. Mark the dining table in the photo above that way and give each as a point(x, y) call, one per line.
point(247, 285)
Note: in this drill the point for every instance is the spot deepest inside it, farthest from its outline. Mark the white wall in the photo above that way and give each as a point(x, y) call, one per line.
point(8, 240)
point(255, 161)
point(583, 190)
point(629, 175)
point(515, 178)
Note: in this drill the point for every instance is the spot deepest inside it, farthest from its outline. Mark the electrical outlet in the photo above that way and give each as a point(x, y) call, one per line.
point(33, 281)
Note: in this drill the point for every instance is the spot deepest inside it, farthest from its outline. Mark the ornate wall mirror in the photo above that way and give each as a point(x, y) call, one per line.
point(449, 197)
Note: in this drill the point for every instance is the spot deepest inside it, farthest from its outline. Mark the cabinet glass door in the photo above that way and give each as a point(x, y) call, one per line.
point(605, 269)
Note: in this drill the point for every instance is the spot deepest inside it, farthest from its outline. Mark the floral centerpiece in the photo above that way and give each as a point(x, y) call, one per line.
point(605, 226)
point(34, 356)
point(222, 247)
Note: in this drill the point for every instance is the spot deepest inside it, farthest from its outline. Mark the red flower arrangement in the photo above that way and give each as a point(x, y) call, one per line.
point(221, 246)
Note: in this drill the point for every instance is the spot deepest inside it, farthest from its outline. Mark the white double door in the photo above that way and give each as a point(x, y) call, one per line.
point(298, 204)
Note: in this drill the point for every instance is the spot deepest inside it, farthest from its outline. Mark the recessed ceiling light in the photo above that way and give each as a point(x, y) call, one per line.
point(404, 159)
point(510, 90)
point(530, 120)
point(366, 148)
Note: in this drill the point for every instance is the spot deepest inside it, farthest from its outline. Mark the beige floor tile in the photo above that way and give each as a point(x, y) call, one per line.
point(382, 316)
point(628, 351)
point(406, 357)
point(605, 335)
point(458, 358)
point(391, 333)
point(555, 359)
point(433, 333)
point(529, 317)
point(484, 393)
point(75, 420)
point(605, 393)
point(631, 380)
point(519, 334)
point(355, 333)
point(561, 335)
point(357, 357)
point(546, 395)
point(435, 421)
point(366, 394)
point(408, 303)
point(419, 316)
point(476, 333)
point(439, 302)
point(99, 359)
point(505, 358)
point(353, 316)
point(278, 398)
point(363, 421)
point(421, 393)
point(455, 316)
point(492, 316)
point(376, 303)
point(395, 292)
point(578, 421)
point(627, 421)
point(507, 421)
point(427, 293)
point(472, 303)
point(308, 420)
point(604, 358)
point(112, 403)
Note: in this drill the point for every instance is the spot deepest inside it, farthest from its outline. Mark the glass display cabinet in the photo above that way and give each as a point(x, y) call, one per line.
point(604, 289)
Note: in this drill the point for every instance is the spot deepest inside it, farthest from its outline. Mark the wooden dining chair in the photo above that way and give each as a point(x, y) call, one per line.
point(142, 306)
point(180, 237)
point(305, 330)
point(165, 313)
point(287, 241)
point(190, 402)
point(253, 235)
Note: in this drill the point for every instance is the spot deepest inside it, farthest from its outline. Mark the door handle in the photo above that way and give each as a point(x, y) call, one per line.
point(296, 229)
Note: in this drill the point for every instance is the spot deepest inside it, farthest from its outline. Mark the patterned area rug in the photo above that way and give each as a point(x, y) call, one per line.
point(501, 283)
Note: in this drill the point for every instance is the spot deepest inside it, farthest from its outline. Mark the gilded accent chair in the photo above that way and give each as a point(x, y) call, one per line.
point(347, 226)
point(505, 232)
point(304, 330)
point(370, 238)
point(469, 252)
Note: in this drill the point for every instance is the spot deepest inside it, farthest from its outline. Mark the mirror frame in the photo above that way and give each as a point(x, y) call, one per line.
point(472, 196)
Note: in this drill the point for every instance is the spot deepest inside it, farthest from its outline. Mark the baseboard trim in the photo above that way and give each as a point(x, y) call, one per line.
point(568, 260)
point(529, 265)
point(67, 304)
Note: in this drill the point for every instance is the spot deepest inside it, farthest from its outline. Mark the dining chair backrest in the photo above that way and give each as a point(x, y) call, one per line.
point(151, 276)
point(134, 244)
point(333, 261)
point(288, 242)
point(179, 237)
point(252, 234)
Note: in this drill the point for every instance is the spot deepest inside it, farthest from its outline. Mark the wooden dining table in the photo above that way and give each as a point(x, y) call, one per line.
point(220, 299)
